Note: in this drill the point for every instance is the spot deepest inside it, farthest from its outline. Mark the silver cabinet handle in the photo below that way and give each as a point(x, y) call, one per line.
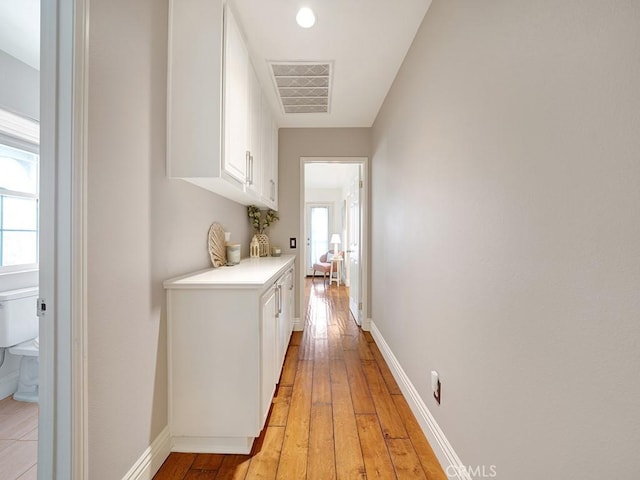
point(279, 300)
point(251, 169)
point(247, 174)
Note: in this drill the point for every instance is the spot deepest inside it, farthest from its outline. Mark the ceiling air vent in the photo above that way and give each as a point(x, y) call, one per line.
point(303, 87)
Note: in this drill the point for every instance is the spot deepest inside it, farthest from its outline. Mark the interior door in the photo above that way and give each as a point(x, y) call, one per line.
point(354, 251)
point(317, 233)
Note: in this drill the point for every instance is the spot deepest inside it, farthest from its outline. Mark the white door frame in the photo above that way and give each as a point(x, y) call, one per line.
point(62, 442)
point(364, 161)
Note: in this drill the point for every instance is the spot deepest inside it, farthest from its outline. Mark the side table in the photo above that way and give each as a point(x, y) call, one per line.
point(336, 264)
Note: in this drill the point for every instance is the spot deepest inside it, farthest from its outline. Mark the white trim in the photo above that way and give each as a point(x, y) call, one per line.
point(19, 127)
point(9, 383)
point(444, 451)
point(152, 458)
point(298, 324)
point(222, 445)
point(62, 442)
point(79, 301)
point(366, 324)
point(49, 85)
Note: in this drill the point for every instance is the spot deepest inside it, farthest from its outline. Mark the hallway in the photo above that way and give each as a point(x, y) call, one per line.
point(337, 414)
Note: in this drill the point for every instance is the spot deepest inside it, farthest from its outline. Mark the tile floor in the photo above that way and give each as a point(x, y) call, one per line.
point(18, 440)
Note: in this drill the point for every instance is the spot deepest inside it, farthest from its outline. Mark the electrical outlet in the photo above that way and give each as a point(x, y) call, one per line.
point(436, 386)
point(292, 242)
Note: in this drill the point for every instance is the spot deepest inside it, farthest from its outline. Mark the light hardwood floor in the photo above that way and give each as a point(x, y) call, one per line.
point(18, 440)
point(337, 414)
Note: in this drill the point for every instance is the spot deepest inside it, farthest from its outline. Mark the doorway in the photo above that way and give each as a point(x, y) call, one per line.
point(333, 193)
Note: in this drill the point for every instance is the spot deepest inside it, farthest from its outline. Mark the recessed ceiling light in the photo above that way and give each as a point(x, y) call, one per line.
point(305, 17)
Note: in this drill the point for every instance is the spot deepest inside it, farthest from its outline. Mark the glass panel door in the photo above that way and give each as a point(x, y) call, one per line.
point(318, 217)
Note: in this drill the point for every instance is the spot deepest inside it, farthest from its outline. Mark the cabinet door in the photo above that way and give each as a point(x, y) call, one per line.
point(266, 123)
point(274, 164)
point(291, 300)
point(282, 327)
point(268, 343)
point(269, 158)
point(284, 317)
point(254, 134)
point(236, 86)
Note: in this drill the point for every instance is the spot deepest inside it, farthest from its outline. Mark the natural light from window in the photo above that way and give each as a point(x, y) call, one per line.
point(18, 206)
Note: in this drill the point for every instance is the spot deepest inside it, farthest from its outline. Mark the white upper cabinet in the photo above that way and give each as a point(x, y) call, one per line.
point(255, 164)
point(269, 157)
point(214, 105)
point(236, 86)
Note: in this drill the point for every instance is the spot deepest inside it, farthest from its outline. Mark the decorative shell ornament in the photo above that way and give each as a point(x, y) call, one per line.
point(217, 245)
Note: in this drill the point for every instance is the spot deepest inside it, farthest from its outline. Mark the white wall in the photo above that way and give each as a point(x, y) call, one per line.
point(142, 229)
point(19, 87)
point(506, 169)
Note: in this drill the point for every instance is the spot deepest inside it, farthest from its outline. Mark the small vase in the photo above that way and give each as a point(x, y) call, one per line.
point(263, 241)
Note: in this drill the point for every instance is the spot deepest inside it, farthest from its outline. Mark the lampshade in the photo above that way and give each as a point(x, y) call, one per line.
point(335, 238)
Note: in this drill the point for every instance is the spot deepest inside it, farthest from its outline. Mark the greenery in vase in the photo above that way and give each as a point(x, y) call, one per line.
point(257, 222)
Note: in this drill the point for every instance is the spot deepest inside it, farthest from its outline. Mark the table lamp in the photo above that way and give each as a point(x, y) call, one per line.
point(335, 239)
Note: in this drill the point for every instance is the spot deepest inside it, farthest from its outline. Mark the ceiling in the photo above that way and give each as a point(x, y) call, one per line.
point(20, 30)
point(364, 40)
point(329, 175)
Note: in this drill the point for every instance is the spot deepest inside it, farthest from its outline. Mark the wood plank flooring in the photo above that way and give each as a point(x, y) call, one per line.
point(18, 440)
point(338, 412)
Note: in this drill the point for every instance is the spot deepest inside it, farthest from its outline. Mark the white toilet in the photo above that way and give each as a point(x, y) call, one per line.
point(19, 333)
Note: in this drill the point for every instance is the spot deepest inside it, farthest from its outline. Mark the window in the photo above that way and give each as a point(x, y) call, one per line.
point(18, 197)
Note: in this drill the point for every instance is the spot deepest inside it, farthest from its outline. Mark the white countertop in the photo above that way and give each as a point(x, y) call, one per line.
point(250, 273)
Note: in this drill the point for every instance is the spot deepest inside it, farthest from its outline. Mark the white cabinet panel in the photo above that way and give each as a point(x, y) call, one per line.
point(214, 106)
point(268, 347)
point(269, 150)
point(236, 101)
point(226, 329)
point(284, 316)
point(254, 111)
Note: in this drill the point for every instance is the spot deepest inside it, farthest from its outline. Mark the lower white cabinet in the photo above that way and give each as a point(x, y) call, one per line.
point(269, 346)
point(284, 318)
point(227, 333)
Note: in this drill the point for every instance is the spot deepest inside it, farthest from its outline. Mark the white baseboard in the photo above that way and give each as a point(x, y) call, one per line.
point(231, 445)
point(449, 460)
point(366, 324)
point(298, 325)
point(9, 384)
point(152, 458)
